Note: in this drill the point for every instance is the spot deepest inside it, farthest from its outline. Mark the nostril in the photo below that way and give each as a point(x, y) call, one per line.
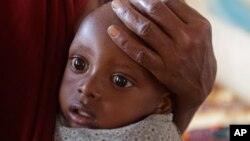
point(96, 96)
point(92, 96)
point(86, 93)
point(79, 91)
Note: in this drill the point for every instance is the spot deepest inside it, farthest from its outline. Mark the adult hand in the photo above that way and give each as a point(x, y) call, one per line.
point(179, 51)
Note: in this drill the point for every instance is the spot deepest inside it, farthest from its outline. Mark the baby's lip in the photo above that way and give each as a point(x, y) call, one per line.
point(80, 116)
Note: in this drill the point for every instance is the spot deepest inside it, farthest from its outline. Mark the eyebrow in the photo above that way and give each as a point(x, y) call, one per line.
point(121, 65)
point(139, 69)
point(82, 48)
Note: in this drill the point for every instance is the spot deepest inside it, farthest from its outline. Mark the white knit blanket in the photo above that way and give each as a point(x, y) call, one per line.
point(153, 128)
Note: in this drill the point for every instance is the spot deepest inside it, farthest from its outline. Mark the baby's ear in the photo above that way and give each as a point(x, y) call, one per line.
point(165, 105)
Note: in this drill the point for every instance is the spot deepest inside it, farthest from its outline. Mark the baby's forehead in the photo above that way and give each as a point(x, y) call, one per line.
point(102, 17)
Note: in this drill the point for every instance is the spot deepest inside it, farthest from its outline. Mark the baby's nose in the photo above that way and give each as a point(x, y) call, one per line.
point(90, 89)
point(88, 94)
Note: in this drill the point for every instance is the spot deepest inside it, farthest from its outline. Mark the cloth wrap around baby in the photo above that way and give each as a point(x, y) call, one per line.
point(158, 127)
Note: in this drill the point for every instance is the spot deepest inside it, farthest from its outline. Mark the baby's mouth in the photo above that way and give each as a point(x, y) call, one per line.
point(80, 117)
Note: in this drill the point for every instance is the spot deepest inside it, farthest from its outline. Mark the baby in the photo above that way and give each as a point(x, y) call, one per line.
point(105, 95)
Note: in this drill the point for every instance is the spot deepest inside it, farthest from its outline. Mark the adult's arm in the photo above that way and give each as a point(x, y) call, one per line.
point(179, 52)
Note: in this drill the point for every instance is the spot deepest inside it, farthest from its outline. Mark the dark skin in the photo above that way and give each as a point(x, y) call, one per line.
point(181, 49)
point(102, 87)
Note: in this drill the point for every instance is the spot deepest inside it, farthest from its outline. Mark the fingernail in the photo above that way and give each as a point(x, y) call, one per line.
point(113, 31)
point(116, 3)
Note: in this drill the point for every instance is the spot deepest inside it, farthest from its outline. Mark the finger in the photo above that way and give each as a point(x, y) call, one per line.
point(183, 11)
point(161, 14)
point(135, 50)
point(148, 31)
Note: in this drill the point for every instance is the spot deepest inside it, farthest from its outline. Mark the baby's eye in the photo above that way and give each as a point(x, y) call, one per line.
point(121, 81)
point(78, 64)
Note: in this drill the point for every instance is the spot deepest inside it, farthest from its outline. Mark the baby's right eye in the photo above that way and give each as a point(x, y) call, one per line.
point(78, 64)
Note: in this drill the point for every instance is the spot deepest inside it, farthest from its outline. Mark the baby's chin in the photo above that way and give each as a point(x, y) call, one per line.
point(91, 125)
point(76, 125)
point(82, 122)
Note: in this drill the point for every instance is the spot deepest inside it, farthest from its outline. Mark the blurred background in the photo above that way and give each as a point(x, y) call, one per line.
point(229, 102)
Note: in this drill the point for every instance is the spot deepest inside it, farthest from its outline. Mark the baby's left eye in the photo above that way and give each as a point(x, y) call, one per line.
point(121, 81)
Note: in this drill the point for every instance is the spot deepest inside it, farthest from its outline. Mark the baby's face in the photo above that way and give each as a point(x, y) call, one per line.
point(102, 87)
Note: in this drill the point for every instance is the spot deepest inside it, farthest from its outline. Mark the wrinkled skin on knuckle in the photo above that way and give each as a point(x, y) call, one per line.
point(122, 11)
point(203, 28)
point(188, 43)
point(170, 3)
point(186, 38)
point(205, 24)
point(155, 8)
point(140, 57)
point(123, 43)
point(194, 41)
point(144, 29)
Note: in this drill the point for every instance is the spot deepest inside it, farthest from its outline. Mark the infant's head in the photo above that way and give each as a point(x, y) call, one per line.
point(102, 87)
